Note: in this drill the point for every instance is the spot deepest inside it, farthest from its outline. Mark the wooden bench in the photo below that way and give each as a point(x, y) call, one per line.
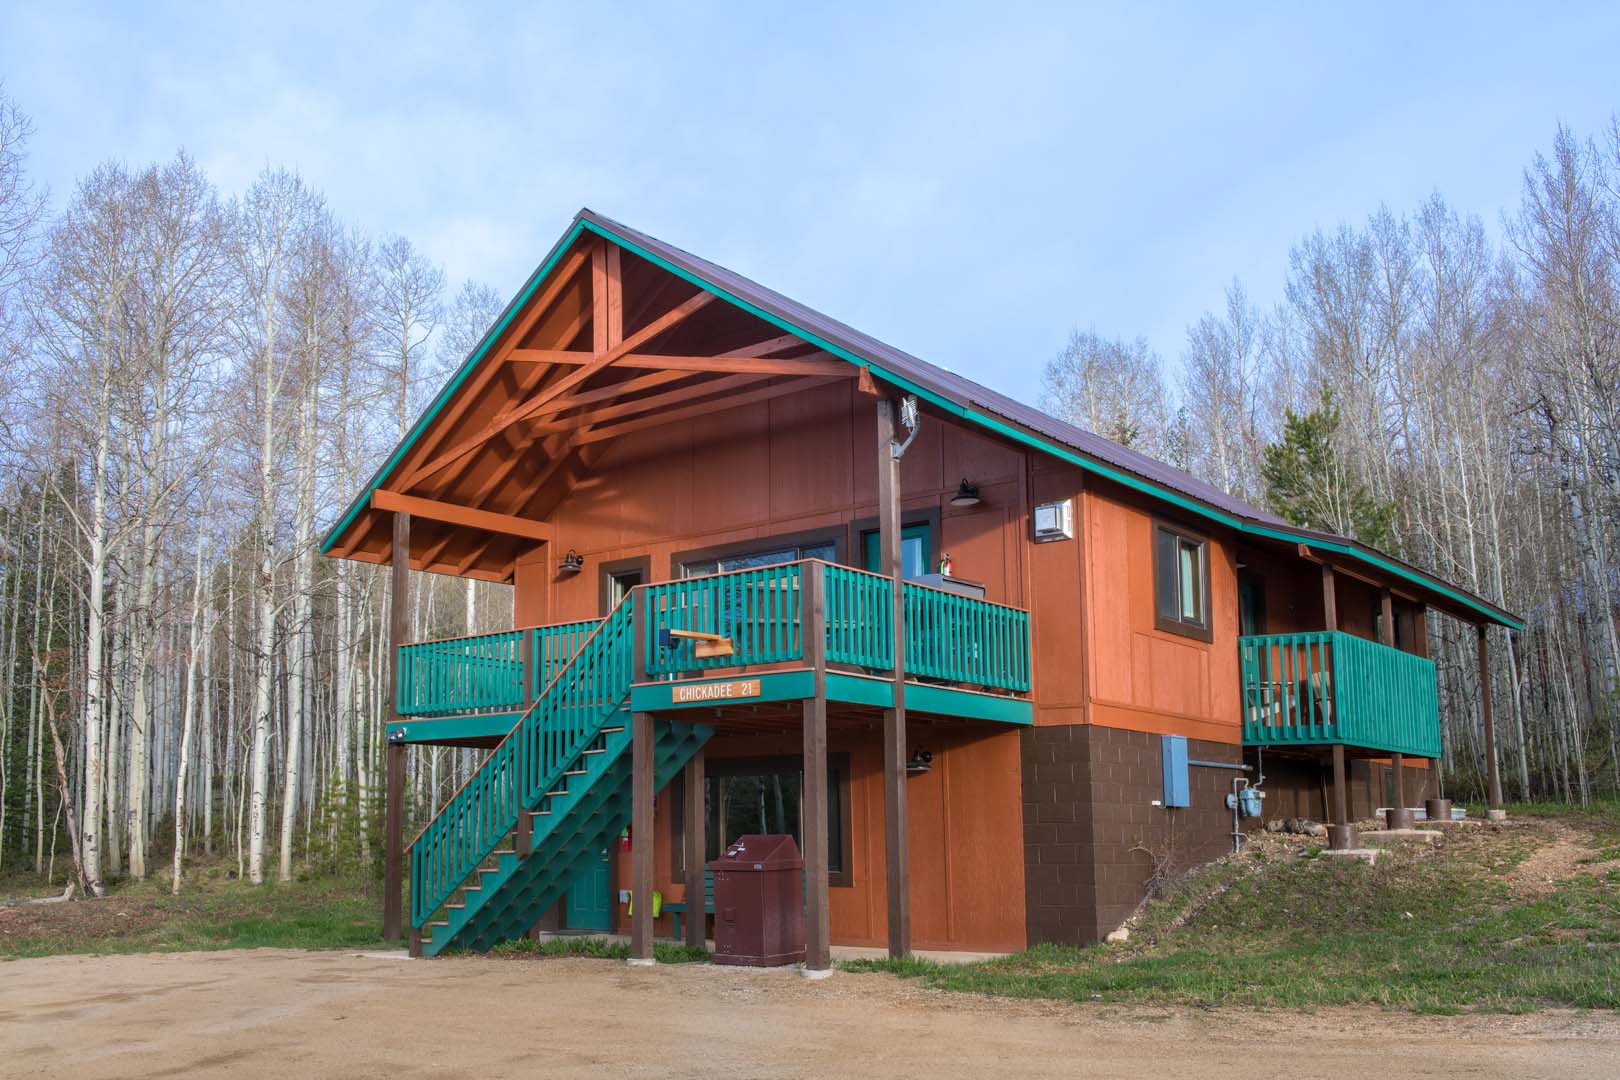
point(677, 909)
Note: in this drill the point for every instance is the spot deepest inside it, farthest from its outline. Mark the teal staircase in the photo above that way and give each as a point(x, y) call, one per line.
point(549, 798)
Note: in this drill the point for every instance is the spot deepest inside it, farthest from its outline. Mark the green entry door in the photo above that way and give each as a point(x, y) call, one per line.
point(916, 552)
point(590, 900)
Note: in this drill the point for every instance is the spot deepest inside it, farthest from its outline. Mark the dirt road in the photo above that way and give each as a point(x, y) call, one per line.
point(271, 1013)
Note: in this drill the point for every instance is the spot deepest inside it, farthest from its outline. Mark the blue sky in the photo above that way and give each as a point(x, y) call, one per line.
point(967, 182)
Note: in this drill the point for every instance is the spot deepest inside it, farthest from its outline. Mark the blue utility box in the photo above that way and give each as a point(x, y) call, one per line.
point(1177, 782)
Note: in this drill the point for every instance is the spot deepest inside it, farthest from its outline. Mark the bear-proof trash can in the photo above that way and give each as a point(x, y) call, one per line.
point(759, 902)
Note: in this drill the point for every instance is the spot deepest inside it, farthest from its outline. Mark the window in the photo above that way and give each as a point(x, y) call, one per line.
point(1180, 582)
point(825, 550)
point(914, 551)
point(761, 795)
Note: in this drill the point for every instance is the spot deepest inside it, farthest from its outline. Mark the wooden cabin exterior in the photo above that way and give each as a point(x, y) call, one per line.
point(724, 529)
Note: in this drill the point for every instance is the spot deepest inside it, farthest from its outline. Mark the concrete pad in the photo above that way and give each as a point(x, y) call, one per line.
point(1366, 855)
point(861, 952)
point(1496, 815)
point(1398, 836)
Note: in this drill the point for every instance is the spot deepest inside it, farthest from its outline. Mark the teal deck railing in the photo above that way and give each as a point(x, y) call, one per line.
point(1327, 687)
point(571, 709)
point(463, 675)
point(553, 646)
point(949, 638)
point(860, 618)
point(484, 673)
point(963, 639)
point(759, 610)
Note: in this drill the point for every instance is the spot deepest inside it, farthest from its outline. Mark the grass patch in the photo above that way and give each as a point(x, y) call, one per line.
point(212, 912)
point(1430, 930)
point(596, 948)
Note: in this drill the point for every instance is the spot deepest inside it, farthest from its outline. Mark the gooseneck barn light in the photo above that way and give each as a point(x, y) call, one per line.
point(966, 494)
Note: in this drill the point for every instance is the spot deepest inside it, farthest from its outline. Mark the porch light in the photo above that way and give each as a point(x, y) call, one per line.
point(966, 494)
point(921, 761)
point(572, 563)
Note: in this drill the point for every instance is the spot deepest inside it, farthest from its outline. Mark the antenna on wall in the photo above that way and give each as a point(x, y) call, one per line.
point(911, 420)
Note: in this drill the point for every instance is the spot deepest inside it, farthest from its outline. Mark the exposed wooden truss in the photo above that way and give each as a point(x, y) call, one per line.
point(452, 514)
point(563, 382)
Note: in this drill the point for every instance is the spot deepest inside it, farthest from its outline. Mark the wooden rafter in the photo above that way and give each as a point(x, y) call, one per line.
point(588, 397)
point(692, 412)
point(521, 412)
point(480, 378)
point(652, 401)
point(453, 514)
point(519, 388)
point(818, 363)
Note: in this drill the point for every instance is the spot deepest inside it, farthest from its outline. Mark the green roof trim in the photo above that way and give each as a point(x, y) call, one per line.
point(450, 388)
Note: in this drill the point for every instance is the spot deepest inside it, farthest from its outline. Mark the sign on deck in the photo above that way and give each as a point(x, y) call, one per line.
point(736, 690)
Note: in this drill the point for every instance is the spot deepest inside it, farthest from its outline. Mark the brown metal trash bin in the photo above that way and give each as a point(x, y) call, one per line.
point(759, 902)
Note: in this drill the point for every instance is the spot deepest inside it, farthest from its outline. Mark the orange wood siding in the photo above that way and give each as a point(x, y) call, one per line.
point(967, 865)
point(802, 463)
point(1143, 678)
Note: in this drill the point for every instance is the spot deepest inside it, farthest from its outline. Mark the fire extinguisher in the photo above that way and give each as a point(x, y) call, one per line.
point(624, 839)
point(945, 565)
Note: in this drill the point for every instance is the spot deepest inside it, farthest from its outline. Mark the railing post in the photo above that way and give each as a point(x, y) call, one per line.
point(528, 667)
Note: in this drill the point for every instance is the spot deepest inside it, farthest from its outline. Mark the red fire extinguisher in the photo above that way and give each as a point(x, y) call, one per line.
point(945, 565)
point(624, 839)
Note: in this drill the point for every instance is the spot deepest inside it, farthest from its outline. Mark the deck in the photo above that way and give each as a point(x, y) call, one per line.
point(965, 658)
point(1330, 687)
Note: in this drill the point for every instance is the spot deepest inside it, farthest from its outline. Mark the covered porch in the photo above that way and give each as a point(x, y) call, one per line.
point(1344, 674)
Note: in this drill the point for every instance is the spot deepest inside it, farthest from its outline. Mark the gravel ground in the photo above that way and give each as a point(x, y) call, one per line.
point(269, 1013)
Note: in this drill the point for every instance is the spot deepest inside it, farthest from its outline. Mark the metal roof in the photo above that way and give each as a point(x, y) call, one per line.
point(970, 400)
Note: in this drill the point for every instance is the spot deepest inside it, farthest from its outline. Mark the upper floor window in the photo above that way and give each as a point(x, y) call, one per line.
point(825, 550)
point(1180, 582)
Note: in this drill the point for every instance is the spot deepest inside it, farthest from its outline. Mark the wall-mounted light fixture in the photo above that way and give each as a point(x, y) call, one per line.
point(572, 563)
point(921, 761)
point(966, 494)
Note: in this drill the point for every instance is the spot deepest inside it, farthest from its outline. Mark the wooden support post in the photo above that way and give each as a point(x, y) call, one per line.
point(1341, 834)
point(895, 825)
point(696, 849)
point(1488, 716)
point(642, 780)
point(1330, 599)
point(641, 839)
point(1400, 817)
point(399, 622)
point(813, 819)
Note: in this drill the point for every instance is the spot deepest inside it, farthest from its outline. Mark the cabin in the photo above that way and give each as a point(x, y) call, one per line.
point(995, 673)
